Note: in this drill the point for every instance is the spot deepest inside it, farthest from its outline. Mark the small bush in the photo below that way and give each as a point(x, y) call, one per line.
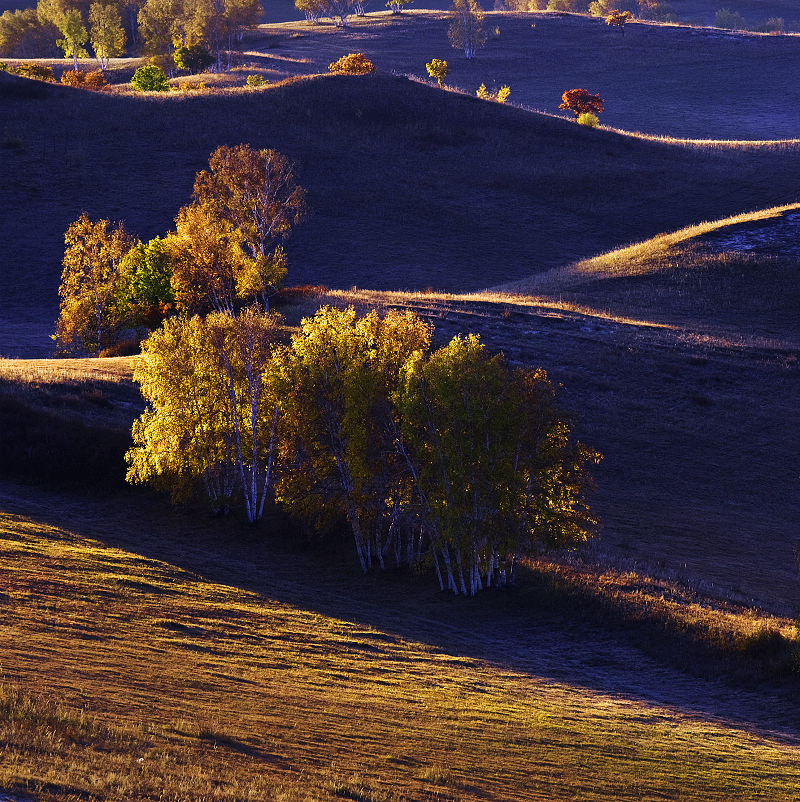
point(352, 64)
point(772, 25)
point(397, 5)
point(150, 78)
point(39, 72)
point(255, 80)
point(3, 66)
point(437, 69)
point(588, 119)
point(84, 80)
point(501, 96)
point(730, 20)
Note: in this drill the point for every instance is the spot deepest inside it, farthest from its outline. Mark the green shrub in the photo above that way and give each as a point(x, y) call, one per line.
point(588, 119)
point(39, 72)
point(501, 96)
point(352, 64)
point(255, 80)
point(731, 20)
point(150, 78)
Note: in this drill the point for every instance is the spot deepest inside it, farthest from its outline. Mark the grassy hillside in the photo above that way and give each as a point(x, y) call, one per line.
point(410, 187)
point(146, 656)
point(738, 274)
point(661, 79)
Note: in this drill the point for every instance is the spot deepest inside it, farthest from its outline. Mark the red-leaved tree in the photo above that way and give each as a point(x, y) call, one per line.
point(580, 101)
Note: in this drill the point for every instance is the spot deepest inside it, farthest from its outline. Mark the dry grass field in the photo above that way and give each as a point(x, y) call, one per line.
point(152, 655)
point(152, 652)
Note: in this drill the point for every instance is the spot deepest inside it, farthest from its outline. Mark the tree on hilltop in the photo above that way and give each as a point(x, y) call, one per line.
point(618, 18)
point(580, 101)
point(466, 27)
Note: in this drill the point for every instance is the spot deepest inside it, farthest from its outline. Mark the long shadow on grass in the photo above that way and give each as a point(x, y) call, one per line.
point(537, 628)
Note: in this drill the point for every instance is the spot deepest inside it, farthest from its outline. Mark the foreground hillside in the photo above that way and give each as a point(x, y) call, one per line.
point(149, 657)
point(410, 187)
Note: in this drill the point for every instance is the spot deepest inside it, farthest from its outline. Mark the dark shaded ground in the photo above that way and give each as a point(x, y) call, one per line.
point(409, 187)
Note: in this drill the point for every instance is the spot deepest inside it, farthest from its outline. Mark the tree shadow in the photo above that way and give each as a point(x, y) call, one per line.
point(524, 629)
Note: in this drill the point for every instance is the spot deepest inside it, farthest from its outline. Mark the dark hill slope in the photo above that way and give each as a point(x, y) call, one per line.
point(410, 187)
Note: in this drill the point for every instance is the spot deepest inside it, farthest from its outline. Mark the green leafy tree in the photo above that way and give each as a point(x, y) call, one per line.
point(159, 26)
point(74, 34)
point(92, 282)
point(106, 32)
point(182, 436)
point(492, 463)
point(150, 78)
point(193, 59)
point(148, 295)
point(24, 35)
point(466, 27)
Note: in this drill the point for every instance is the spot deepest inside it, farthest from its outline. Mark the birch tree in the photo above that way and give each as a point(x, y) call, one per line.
point(106, 32)
point(336, 380)
point(255, 192)
point(242, 347)
point(183, 436)
point(466, 27)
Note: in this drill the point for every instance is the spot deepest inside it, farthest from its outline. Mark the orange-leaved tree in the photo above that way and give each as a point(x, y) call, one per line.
point(618, 18)
point(92, 282)
point(229, 239)
point(352, 64)
point(580, 101)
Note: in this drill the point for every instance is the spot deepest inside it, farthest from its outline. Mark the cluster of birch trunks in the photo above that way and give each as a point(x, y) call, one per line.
point(448, 458)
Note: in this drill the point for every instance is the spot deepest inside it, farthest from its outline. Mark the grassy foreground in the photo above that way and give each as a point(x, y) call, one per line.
point(131, 677)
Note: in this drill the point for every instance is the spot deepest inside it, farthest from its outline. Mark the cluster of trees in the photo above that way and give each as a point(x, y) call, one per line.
point(226, 251)
point(444, 457)
point(338, 11)
point(159, 28)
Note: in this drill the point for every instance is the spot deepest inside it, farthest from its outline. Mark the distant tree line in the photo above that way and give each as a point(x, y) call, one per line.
point(183, 34)
point(445, 458)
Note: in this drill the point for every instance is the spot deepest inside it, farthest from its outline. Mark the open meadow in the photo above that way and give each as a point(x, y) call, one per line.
point(149, 651)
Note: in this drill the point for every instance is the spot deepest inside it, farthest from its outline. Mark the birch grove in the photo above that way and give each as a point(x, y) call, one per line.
point(449, 459)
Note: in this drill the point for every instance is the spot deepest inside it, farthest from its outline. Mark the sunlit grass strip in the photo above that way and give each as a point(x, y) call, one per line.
point(162, 683)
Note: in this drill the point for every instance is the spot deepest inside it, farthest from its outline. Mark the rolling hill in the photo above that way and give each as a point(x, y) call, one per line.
point(410, 187)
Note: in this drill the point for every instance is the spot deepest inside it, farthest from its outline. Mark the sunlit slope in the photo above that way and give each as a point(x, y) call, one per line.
point(409, 186)
point(740, 272)
point(193, 687)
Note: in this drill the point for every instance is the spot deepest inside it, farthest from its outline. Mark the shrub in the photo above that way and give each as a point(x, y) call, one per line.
point(3, 66)
point(588, 119)
point(599, 8)
point(150, 78)
point(397, 5)
point(772, 25)
point(352, 64)
point(501, 96)
point(731, 20)
point(437, 68)
point(192, 59)
point(559, 5)
point(39, 72)
point(255, 80)
point(84, 80)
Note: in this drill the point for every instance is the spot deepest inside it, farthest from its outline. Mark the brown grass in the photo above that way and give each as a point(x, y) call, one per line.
point(129, 676)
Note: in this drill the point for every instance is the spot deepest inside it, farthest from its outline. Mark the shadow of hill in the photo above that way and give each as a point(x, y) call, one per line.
point(516, 630)
point(409, 186)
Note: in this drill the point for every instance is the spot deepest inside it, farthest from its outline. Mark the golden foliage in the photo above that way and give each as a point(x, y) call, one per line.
point(352, 64)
